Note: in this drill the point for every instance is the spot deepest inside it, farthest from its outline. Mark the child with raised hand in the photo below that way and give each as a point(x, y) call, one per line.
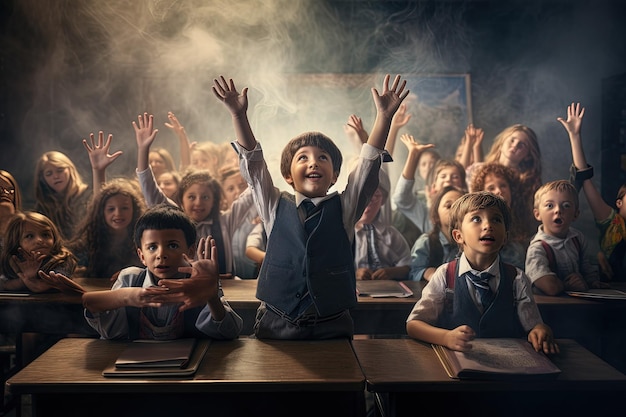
point(610, 220)
point(556, 260)
point(33, 243)
point(172, 297)
point(199, 195)
point(380, 250)
point(306, 285)
point(470, 149)
point(436, 247)
point(478, 295)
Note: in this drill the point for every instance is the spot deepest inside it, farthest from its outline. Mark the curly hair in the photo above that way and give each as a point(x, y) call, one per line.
point(94, 237)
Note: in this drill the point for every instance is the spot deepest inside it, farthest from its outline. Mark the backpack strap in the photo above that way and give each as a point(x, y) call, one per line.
point(550, 253)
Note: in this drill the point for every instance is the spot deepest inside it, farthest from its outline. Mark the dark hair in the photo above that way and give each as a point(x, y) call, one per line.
point(164, 217)
point(478, 200)
point(316, 139)
point(434, 207)
point(202, 177)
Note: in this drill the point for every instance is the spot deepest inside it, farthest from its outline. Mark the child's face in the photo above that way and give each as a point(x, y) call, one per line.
point(201, 160)
point(157, 163)
point(498, 186)
point(167, 184)
point(118, 212)
point(162, 252)
point(7, 192)
point(233, 186)
point(56, 177)
point(515, 149)
point(36, 238)
point(556, 212)
point(311, 172)
point(447, 176)
point(621, 206)
point(425, 164)
point(198, 201)
point(372, 209)
point(443, 211)
point(482, 233)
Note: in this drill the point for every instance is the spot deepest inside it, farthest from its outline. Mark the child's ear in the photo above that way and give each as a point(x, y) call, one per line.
point(334, 180)
point(457, 236)
point(140, 255)
point(289, 179)
point(536, 214)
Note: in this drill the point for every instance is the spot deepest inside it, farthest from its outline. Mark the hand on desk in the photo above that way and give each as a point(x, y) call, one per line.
point(542, 339)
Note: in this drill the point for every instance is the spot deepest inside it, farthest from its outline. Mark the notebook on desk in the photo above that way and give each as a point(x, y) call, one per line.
point(383, 288)
point(599, 294)
point(143, 358)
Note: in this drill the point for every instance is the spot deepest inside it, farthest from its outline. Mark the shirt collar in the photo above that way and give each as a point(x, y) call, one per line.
point(464, 266)
point(316, 200)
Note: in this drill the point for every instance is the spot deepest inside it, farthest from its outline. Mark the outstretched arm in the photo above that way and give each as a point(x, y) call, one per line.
point(387, 104)
point(237, 104)
point(600, 209)
point(415, 149)
point(400, 119)
point(99, 158)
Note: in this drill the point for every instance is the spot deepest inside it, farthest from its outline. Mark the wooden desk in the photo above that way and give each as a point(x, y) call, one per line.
point(242, 377)
point(410, 378)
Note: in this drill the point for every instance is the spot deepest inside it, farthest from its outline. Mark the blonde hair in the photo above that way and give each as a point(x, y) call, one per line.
point(58, 207)
point(530, 168)
point(560, 186)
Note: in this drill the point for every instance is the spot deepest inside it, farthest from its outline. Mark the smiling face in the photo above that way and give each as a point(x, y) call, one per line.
point(57, 177)
point(197, 202)
point(118, 212)
point(311, 172)
point(556, 211)
point(162, 252)
point(36, 238)
point(482, 234)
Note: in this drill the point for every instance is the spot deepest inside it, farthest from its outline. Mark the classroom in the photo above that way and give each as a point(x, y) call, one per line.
point(74, 69)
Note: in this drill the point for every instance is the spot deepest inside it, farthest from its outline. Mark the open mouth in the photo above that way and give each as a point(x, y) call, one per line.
point(487, 239)
point(558, 221)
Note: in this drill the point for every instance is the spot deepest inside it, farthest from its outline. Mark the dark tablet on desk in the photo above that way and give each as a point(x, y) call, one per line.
point(14, 294)
point(383, 288)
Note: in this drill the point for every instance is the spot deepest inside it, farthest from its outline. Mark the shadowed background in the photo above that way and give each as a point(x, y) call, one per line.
point(68, 68)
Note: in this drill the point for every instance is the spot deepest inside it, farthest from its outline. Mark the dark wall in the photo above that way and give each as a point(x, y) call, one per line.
point(68, 68)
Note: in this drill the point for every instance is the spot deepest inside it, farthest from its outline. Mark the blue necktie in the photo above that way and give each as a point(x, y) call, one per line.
point(481, 282)
point(312, 217)
point(373, 259)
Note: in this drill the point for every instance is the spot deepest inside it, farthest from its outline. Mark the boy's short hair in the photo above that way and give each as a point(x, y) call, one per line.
point(316, 139)
point(478, 200)
point(164, 217)
point(561, 186)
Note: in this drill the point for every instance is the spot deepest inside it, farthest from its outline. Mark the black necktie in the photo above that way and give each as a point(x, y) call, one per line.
point(373, 259)
point(312, 217)
point(481, 282)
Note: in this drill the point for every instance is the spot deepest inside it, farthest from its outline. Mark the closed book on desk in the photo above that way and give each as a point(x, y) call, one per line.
point(512, 359)
point(599, 294)
point(179, 357)
point(383, 288)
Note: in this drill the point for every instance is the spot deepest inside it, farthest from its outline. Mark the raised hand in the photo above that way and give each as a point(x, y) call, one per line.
point(574, 120)
point(414, 146)
point(226, 92)
point(145, 133)
point(354, 126)
point(388, 102)
point(401, 118)
point(174, 124)
point(98, 151)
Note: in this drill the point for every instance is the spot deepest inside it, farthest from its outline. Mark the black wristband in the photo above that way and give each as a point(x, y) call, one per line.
point(577, 177)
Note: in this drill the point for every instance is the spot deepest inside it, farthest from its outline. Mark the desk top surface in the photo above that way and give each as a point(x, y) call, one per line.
point(409, 365)
point(246, 364)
